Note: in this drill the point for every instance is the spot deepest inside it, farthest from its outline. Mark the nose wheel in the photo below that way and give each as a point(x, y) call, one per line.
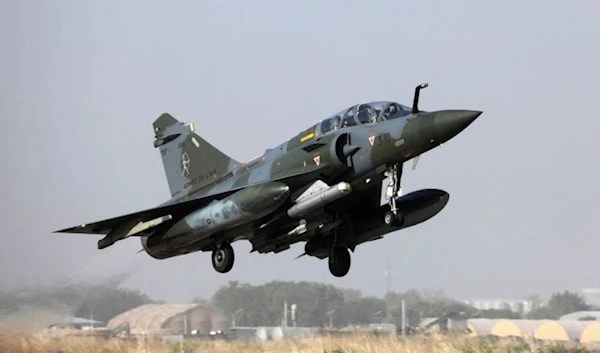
point(222, 258)
point(393, 219)
point(393, 191)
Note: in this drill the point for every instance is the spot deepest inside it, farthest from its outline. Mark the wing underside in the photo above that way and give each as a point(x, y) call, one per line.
point(130, 220)
point(134, 224)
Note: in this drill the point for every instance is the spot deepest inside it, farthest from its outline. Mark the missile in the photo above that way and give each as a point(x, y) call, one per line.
point(319, 199)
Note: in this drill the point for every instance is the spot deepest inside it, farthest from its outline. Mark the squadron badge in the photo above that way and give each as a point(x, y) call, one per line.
point(185, 164)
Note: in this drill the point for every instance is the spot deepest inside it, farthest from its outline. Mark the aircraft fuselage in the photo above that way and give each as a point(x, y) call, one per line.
point(353, 154)
point(322, 186)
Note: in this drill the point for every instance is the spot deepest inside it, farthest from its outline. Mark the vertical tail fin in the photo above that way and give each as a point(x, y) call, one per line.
point(190, 162)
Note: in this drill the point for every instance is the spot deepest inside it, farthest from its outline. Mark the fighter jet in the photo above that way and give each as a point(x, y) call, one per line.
point(322, 187)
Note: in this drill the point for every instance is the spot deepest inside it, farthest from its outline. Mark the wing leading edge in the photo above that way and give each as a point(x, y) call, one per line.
point(108, 225)
point(121, 227)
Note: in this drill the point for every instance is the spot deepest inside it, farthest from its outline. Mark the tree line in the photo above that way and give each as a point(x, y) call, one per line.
point(264, 305)
point(100, 301)
point(316, 304)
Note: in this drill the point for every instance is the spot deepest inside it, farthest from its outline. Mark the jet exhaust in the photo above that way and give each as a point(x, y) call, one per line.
point(320, 199)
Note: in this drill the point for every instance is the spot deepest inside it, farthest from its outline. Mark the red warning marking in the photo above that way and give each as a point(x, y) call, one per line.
point(371, 137)
point(371, 140)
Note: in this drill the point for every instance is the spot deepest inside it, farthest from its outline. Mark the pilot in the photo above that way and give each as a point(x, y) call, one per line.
point(390, 112)
point(335, 122)
point(348, 119)
point(366, 114)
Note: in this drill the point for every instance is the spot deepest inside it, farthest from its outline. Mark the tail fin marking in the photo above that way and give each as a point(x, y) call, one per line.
point(190, 162)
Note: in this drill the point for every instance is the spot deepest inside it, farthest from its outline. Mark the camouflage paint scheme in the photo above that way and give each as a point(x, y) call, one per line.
point(217, 200)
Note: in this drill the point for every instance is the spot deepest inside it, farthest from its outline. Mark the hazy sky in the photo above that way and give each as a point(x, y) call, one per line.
point(82, 81)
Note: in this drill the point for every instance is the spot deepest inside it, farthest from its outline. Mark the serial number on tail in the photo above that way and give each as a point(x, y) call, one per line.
point(200, 178)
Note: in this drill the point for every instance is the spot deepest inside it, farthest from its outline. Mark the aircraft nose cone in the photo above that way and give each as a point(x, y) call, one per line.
point(448, 123)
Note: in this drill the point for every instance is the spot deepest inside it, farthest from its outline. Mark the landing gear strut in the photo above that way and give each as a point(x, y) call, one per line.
point(394, 190)
point(339, 261)
point(222, 258)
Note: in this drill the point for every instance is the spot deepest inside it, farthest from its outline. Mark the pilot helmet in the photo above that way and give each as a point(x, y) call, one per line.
point(366, 114)
point(335, 122)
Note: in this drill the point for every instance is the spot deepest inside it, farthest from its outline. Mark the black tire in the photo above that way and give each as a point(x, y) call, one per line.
point(339, 261)
point(222, 258)
point(391, 219)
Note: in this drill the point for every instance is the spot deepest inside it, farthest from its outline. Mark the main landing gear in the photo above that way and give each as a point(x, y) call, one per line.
point(394, 190)
point(339, 261)
point(223, 257)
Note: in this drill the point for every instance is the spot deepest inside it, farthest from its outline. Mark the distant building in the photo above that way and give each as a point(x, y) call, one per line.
point(586, 332)
point(77, 322)
point(442, 325)
point(519, 306)
point(171, 319)
point(581, 315)
point(76, 326)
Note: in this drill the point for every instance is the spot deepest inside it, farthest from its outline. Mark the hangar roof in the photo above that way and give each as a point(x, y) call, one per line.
point(151, 317)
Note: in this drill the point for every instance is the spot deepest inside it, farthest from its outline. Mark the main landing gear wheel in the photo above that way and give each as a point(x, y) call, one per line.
point(339, 261)
point(222, 258)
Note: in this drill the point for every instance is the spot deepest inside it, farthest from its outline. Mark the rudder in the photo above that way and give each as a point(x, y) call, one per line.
point(190, 162)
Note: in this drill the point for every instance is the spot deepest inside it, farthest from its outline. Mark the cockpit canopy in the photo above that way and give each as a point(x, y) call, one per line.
point(364, 113)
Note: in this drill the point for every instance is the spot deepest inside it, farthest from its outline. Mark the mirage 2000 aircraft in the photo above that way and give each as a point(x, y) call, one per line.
point(322, 187)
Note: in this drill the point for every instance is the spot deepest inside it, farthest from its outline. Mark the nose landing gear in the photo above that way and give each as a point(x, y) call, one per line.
point(394, 190)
